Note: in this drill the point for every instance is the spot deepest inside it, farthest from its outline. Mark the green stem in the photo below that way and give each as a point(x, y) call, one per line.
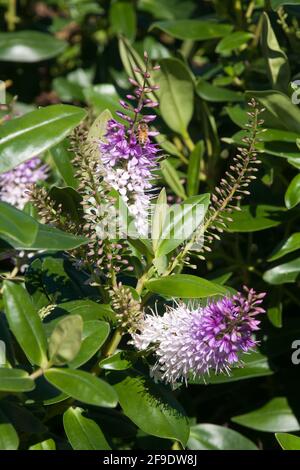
point(11, 15)
point(188, 141)
point(113, 344)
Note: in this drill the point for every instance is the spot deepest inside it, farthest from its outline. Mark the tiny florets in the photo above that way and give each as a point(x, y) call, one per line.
point(193, 342)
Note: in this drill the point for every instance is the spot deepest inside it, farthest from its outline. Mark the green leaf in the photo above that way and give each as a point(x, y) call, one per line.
point(216, 94)
point(287, 246)
point(181, 221)
point(176, 94)
point(131, 60)
point(274, 416)
point(62, 159)
point(31, 134)
point(15, 380)
point(275, 315)
point(278, 3)
point(292, 195)
point(9, 439)
point(277, 62)
point(288, 441)
point(94, 335)
point(52, 239)
point(283, 273)
point(118, 361)
point(83, 386)
point(150, 406)
point(255, 218)
point(65, 341)
point(97, 130)
point(29, 46)
point(172, 178)
point(25, 323)
point(212, 437)
point(48, 444)
point(278, 104)
point(194, 168)
point(184, 286)
point(197, 30)
point(233, 42)
point(103, 97)
point(83, 433)
point(16, 226)
point(123, 19)
point(254, 365)
point(67, 90)
point(89, 310)
point(159, 215)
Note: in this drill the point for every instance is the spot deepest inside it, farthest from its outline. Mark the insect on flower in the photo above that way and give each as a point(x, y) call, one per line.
point(142, 132)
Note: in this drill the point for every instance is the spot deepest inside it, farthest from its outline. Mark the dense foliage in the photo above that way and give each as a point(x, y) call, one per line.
point(101, 334)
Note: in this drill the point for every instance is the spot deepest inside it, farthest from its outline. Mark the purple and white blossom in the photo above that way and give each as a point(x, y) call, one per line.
point(14, 184)
point(192, 342)
point(127, 160)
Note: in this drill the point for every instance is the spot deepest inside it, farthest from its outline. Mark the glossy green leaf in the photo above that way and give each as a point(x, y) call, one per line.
point(277, 105)
point(194, 168)
point(83, 386)
point(67, 90)
point(274, 416)
point(278, 3)
point(15, 380)
point(94, 335)
point(9, 439)
point(288, 441)
point(52, 239)
point(172, 179)
point(196, 30)
point(184, 286)
point(233, 42)
point(89, 310)
point(287, 246)
point(118, 361)
point(25, 322)
point(132, 60)
point(83, 433)
point(255, 218)
point(159, 215)
point(181, 221)
point(48, 444)
point(29, 46)
point(292, 195)
point(277, 62)
point(65, 340)
point(97, 130)
point(150, 406)
point(216, 94)
point(123, 19)
point(275, 315)
point(16, 226)
point(176, 94)
point(254, 365)
point(30, 135)
point(62, 159)
point(212, 437)
point(283, 273)
point(103, 96)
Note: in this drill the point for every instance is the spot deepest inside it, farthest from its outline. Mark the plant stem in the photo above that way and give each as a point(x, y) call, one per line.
point(37, 373)
point(188, 141)
point(114, 343)
point(11, 15)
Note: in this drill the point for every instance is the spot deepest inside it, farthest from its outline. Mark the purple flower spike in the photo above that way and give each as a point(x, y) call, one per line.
point(194, 342)
point(128, 156)
point(15, 183)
